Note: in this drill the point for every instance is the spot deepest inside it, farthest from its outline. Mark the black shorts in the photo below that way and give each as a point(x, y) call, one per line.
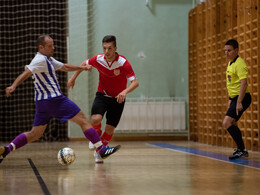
point(109, 105)
point(232, 108)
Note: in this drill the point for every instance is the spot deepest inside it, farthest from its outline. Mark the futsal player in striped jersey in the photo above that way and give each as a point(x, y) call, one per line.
point(49, 100)
point(114, 71)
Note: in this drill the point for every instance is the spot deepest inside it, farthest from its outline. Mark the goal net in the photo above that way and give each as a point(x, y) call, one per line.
point(21, 22)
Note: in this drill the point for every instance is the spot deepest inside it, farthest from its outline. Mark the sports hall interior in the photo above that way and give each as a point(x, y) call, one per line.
point(171, 129)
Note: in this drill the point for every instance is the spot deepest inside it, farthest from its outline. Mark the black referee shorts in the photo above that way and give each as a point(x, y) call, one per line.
point(103, 104)
point(232, 108)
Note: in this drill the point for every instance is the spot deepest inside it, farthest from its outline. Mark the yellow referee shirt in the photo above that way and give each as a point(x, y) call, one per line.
point(236, 71)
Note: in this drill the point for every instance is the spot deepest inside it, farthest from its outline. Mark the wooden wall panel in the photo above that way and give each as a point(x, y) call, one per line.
point(211, 24)
point(256, 80)
point(193, 76)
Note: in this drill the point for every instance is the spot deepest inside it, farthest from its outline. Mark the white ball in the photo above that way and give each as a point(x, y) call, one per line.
point(66, 156)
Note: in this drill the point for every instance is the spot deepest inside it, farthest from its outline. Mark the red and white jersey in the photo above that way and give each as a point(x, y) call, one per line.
point(112, 77)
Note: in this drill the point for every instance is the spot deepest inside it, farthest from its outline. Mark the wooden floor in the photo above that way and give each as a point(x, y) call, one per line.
point(157, 168)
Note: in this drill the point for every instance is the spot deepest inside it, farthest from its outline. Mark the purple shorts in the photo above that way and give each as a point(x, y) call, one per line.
point(59, 107)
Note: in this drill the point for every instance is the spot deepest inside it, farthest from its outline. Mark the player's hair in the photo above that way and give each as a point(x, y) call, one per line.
point(233, 43)
point(109, 38)
point(41, 40)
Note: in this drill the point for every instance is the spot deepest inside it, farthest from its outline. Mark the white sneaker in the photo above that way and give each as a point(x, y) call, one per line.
point(91, 146)
point(98, 158)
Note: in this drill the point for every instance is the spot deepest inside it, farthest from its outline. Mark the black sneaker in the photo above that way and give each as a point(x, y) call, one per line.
point(3, 153)
point(238, 154)
point(108, 151)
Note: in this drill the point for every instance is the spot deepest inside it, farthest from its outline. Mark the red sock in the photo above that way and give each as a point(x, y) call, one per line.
point(105, 138)
point(98, 128)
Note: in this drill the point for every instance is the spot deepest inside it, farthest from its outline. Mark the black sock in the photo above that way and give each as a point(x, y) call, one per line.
point(235, 132)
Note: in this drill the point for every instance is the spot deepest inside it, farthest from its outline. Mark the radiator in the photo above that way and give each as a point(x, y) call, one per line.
point(153, 116)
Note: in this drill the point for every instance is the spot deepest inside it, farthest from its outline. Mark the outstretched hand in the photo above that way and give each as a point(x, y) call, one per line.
point(87, 67)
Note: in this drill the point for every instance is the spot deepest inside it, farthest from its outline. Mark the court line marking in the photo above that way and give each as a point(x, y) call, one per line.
point(211, 155)
point(39, 178)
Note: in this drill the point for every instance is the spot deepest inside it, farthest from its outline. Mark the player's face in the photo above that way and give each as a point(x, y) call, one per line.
point(109, 50)
point(48, 48)
point(230, 52)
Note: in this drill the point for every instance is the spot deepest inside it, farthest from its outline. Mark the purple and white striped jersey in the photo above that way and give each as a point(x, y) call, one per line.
point(46, 84)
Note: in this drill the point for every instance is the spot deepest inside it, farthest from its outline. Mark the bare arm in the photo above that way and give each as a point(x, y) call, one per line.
point(71, 81)
point(71, 68)
point(242, 92)
point(121, 96)
point(20, 79)
point(134, 84)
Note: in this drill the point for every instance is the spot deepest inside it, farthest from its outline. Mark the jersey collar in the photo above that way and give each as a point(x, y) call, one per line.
point(116, 59)
point(234, 60)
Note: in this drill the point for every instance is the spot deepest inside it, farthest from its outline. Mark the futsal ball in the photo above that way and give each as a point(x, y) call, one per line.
point(66, 156)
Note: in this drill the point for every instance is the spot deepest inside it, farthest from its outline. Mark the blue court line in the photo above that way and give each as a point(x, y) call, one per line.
point(212, 155)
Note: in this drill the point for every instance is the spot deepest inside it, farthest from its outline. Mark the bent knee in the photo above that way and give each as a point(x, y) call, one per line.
point(96, 119)
point(228, 122)
point(225, 125)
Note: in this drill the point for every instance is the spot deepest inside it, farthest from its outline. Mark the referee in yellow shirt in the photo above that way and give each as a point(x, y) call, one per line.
point(239, 96)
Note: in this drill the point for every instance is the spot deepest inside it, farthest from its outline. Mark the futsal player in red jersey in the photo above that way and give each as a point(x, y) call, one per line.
point(114, 71)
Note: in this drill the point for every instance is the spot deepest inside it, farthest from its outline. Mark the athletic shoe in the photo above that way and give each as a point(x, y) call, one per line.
point(108, 151)
point(238, 154)
point(3, 153)
point(98, 158)
point(91, 146)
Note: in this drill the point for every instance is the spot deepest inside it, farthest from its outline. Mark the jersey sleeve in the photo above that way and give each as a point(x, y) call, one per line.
point(57, 64)
point(129, 71)
point(37, 65)
point(92, 61)
point(242, 71)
